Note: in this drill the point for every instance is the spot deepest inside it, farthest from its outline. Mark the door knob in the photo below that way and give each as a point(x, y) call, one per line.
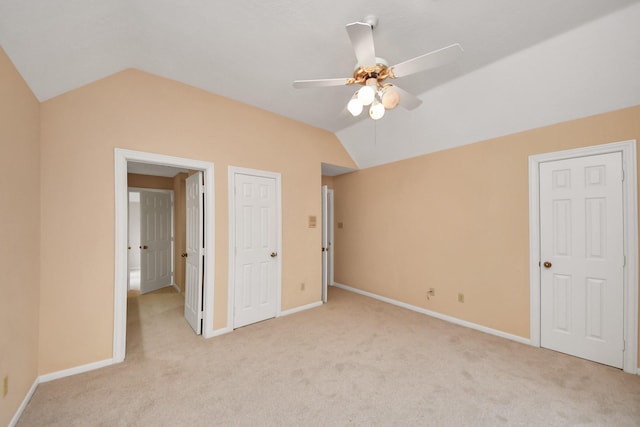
point(274, 254)
point(184, 255)
point(144, 247)
point(547, 264)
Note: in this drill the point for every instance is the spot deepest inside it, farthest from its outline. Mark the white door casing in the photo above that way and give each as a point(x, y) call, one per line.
point(255, 252)
point(156, 240)
point(630, 242)
point(325, 242)
point(581, 244)
point(121, 158)
point(194, 252)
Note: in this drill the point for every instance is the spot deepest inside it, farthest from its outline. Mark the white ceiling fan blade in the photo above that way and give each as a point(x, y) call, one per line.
point(428, 60)
point(302, 84)
point(361, 36)
point(408, 100)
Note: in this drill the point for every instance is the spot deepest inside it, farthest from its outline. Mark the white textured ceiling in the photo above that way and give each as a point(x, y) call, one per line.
point(252, 50)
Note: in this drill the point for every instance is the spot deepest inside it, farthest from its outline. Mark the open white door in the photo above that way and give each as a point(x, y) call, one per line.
point(325, 242)
point(155, 241)
point(195, 253)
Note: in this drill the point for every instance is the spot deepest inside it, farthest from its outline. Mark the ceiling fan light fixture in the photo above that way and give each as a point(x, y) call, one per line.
point(376, 111)
point(355, 106)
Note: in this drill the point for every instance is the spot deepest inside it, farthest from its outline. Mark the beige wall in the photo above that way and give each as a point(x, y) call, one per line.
point(139, 111)
point(19, 237)
point(327, 180)
point(457, 221)
point(149, 181)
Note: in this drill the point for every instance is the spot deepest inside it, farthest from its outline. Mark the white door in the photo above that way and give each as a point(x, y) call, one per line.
point(325, 242)
point(330, 250)
point(256, 249)
point(195, 253)
point(155, 241)
point(581, 244)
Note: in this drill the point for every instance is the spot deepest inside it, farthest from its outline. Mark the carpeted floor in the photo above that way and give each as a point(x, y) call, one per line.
point(353, 361)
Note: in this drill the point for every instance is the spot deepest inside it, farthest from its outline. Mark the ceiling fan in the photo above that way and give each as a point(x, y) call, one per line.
point(371, 73)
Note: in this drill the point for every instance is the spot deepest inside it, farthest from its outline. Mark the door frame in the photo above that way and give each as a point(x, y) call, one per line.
point(232, 171)
point(630, 235)
point(121, 158)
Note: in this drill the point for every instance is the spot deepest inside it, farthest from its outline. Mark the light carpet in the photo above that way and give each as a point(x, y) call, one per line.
point(353, 361)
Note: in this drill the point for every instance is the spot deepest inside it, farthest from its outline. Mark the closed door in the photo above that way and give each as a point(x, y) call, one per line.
point(155, 241)
point(581, 241)
point(256, 249)
point(194, 253)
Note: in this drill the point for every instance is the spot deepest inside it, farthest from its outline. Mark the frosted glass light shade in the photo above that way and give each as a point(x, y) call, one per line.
point(355, 106)
point(376, 111)
point(390, 99)
point(366, 94)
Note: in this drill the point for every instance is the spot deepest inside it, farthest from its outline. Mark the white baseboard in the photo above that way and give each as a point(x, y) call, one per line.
point(177, 288)
point(227, 330)
point(54, 376)
point(437, 315)
point(217, 332)
point(24, 403)
point(301, 308)
point(74, 371)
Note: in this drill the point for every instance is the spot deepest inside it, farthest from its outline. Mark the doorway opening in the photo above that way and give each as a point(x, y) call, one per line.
point(629, 258)
point(153, 233)
point(122, 159)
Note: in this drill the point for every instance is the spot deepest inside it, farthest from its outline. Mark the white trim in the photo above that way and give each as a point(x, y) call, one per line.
point(301, 308)
point(24, 403)
point(176, 287)
point(218, 332)
point(74, 371)
point(630, 201)
point(437, 315)
point(232, 171)
point(121, 157)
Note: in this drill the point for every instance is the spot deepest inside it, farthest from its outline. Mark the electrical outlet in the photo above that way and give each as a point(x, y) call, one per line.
point(460, 297)
point(5, 386)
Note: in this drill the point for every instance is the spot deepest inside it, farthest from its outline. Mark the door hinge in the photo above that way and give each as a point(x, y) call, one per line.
point(624, 260)
point(624, 345)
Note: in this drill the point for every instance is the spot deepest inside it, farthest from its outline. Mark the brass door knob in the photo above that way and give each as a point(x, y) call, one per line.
point(145, 247)
point(547, 264)
point(184, 255)
point(274, 254)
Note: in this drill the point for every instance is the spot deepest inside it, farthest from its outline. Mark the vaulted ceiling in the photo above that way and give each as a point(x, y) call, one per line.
point(526, 63)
